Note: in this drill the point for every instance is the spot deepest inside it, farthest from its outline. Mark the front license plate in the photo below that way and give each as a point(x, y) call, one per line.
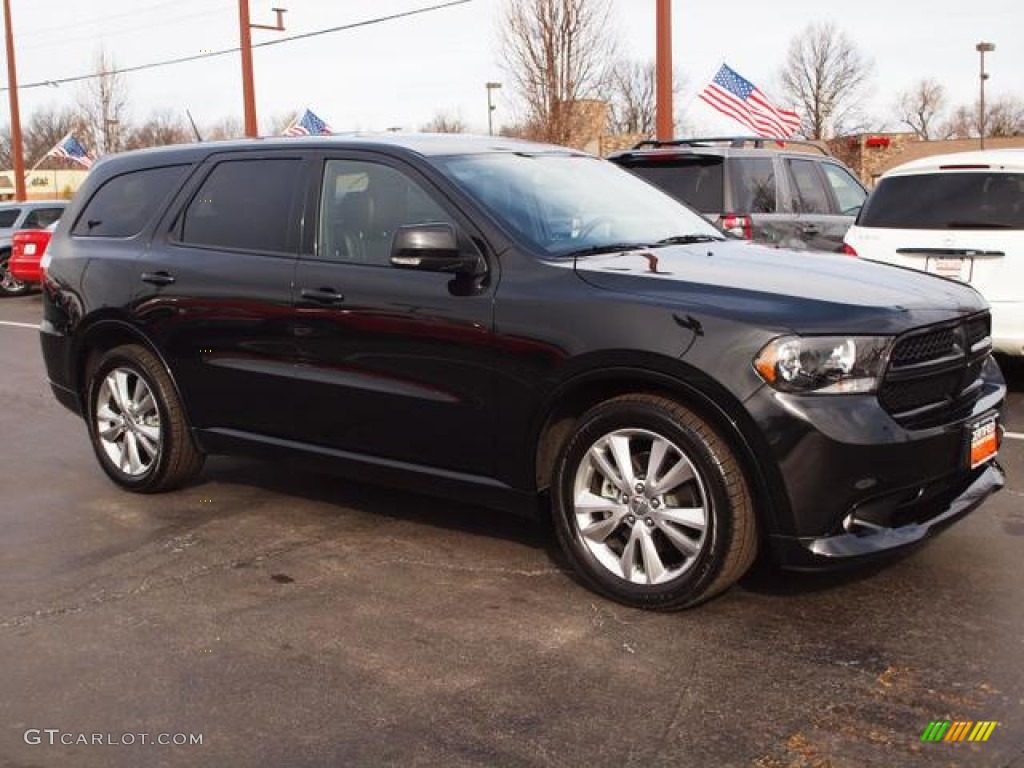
point(984, 440)
point(956, 267)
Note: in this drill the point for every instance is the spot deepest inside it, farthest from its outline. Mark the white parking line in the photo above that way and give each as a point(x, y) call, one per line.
point(33, 326)
point(1014, 435)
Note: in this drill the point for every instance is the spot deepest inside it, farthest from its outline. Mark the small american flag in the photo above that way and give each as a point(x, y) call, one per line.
point(741, 100)
point(308, 125)
point(71, 148)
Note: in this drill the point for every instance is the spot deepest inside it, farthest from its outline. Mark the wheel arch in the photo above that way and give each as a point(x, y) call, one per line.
point(686, 385)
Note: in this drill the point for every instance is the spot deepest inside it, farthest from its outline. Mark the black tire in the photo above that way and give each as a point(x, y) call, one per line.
point(176, 460)
point(671, 577)
point(9, 285)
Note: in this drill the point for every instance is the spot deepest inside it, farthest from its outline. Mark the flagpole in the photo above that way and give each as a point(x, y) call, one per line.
point(47, 153)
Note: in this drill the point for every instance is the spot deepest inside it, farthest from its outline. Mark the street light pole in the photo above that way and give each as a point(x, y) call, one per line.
point(17, 148)
point(245, 28)
point(982, 48)
point(491, 87)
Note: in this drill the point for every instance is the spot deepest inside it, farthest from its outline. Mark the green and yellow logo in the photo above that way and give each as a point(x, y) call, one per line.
point(960, 730)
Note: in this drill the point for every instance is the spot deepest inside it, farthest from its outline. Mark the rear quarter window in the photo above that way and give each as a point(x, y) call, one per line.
point(947, 201)
point(696, 181)
point(123, 205)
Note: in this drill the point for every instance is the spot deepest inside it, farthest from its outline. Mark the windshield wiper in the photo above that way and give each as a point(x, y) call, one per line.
point(593, 250)
point(689, 239)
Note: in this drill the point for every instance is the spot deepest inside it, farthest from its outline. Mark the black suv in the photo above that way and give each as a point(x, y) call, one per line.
point(766, 190)
point(513, 323)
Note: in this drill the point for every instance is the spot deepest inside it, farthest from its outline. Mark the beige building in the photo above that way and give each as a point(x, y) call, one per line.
point(43, 185)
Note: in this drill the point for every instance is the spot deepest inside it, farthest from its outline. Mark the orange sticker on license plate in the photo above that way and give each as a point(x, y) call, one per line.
point(984, 441)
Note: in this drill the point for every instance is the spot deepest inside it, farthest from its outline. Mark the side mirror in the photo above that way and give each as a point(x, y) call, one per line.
point(433, 248)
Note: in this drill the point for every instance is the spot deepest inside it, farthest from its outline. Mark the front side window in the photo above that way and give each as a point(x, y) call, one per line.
point(363, 204)
point(561, 204)
point(965, 200)
point(810, 196)
point(125, 203)
point(848, 191)
point(249, 205)
point(8, 216)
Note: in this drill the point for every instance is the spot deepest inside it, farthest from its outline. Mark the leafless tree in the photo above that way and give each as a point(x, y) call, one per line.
point(160, 128)
point(277, 124)
point(632, 90)
point(920, 108)
point(44, 129)
point(1005, 117)
point(104, 105)
point(442, 122)
point(226, 128)
point(826, 76)
point(557, 54)
point(6, 156)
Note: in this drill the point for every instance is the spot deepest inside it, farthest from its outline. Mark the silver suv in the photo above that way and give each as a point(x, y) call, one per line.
point(35, 214)
point(779, 192)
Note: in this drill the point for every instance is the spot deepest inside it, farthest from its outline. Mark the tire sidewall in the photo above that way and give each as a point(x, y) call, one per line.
point(686, 587)
point(126, 358)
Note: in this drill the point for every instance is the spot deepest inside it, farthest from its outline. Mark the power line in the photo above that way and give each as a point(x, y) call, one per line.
point(279, 41)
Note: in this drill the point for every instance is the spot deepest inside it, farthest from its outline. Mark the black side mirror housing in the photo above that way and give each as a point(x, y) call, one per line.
point(434, 248)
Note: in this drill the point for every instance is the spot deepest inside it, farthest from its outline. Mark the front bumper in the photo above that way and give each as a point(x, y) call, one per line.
point(856, 485)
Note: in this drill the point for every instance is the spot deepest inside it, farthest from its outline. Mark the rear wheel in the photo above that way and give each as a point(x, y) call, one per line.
point(651, 506)
point(9, 284)
point(136, 422)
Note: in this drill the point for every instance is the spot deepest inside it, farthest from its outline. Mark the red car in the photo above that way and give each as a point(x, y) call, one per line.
point(27, 249)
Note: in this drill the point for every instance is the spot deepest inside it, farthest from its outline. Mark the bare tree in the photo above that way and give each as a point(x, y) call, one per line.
point(277, 124)
point(104, 105)
point(962, 123)
point(557, 54)
point(920, 107)
point(44, 129)
point(160, 128)
point(6, 155)
point(1005, 117)
point(826, 76)
point(442, 122)
point(225, 128)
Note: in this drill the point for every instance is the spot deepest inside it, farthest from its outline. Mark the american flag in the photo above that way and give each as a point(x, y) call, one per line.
point(741, 100)
point(71, 148)
point(308, 125)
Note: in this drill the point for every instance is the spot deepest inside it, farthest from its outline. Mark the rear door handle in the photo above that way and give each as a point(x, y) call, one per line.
point(811, 229)
point(324, 295)
point(158, 278)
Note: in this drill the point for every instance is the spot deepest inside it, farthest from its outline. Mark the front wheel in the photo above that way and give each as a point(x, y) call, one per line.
point(137, 424)
point(9, 284)
point(651, 506)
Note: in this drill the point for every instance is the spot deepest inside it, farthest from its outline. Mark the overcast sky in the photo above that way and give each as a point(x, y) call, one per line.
point(400, 73)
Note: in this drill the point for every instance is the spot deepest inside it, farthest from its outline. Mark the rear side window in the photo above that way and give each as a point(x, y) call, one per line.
point(125, 203)
point(246, 205)
point(696, 181)
point(947, 201)
point(8, 216)
point(753, 185)
point(41, 218)
point(811, 196)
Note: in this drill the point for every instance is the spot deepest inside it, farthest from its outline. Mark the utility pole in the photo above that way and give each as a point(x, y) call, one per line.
point(245, 28)
point(491, 86)
point(17, 149)
point(664, 121)
point(982, 49)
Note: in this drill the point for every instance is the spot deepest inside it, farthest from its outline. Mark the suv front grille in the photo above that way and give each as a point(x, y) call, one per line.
point(934, 374)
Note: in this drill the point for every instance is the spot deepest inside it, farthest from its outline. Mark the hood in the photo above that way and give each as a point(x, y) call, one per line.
point(796, 290)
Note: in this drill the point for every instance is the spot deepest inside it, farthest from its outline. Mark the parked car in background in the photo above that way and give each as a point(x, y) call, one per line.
point(27, 249)
point(14, 217)
point(766, 190)
point(960, 216)
point(522, 326)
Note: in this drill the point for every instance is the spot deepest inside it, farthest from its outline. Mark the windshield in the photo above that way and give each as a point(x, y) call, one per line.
point(570, 204)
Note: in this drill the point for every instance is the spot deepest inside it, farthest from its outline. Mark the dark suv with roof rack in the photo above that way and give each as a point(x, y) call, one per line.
point(506, 323)
point(781, 192)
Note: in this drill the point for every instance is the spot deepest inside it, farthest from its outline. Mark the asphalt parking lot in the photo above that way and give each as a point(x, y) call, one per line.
point(293, 619)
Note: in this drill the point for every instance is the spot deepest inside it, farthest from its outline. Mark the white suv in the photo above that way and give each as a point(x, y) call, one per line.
point(959, 216)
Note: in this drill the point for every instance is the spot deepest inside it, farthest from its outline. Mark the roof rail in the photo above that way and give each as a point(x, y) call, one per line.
point(735, 142)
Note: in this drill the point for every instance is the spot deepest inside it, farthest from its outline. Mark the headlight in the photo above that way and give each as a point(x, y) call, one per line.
point(824, 364)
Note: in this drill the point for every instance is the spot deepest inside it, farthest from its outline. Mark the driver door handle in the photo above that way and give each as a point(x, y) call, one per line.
point(322, 295)
point(158, 278)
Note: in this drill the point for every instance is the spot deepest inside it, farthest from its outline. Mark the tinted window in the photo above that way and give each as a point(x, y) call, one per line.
point(41, 218)
point(947, 201)
point(123, 205)
point(848, 191)
point(361, 207)
point(753, 185)
point(810, 196)
point(8, 216)
point(246, 204)
point(697, 181)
